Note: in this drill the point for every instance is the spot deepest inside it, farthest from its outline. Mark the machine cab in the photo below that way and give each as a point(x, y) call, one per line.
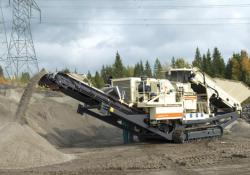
point(181, 75)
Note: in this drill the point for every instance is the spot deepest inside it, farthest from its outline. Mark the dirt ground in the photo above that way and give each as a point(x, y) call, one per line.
point(98, 148)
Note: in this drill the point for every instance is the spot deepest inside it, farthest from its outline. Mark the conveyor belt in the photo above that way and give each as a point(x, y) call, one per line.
point(93, 98)
point(83, 92)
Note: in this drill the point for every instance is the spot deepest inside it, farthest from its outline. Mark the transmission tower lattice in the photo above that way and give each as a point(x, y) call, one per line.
point(21, 51)
point(4, 62)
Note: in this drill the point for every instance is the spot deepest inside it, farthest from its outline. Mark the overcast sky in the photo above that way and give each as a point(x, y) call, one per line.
point(85, 34)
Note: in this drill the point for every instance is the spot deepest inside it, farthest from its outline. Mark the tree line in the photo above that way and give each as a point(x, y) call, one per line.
point(236, 68)
point(212, 63)
point(119, 70)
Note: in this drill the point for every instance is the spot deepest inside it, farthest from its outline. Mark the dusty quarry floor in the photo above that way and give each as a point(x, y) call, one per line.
point(84, 145)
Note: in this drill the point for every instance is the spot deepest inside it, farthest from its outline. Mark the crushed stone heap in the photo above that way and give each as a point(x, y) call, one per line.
point(21, 147)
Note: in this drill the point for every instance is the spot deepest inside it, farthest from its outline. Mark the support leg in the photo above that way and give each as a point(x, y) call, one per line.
point(128, 137)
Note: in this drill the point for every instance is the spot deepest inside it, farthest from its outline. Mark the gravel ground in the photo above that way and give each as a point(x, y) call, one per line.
point(222, 156)
point(98, 148)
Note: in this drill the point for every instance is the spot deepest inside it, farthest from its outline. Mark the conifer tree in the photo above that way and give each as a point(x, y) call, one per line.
point(218, 64)
point(118, 68)
point(158, 69)
point(137, 72)
point(98, 81)
point(148, 70)
point(173, 62)
point(129, 71)
point(204, 63)
point(106, 73)
point(197, 59)
point(209, 63)
point(103, 74)
point(141, 68)
point(228, 71)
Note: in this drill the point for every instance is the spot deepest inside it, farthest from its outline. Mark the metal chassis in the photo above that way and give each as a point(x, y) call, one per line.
point(93, 99)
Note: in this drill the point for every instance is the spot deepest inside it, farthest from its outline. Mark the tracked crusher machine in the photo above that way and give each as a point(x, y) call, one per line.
point(187, 105)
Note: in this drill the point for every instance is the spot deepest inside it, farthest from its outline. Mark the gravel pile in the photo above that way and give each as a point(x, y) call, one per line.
point(240, 129)
point(21, 147)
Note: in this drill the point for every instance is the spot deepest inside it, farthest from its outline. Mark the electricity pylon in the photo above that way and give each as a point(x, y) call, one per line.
point(21, 50)
point(4, 61)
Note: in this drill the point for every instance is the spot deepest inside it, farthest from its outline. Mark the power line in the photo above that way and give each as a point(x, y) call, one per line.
point(149, 24)
point(148, 6)
point(145, 19)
